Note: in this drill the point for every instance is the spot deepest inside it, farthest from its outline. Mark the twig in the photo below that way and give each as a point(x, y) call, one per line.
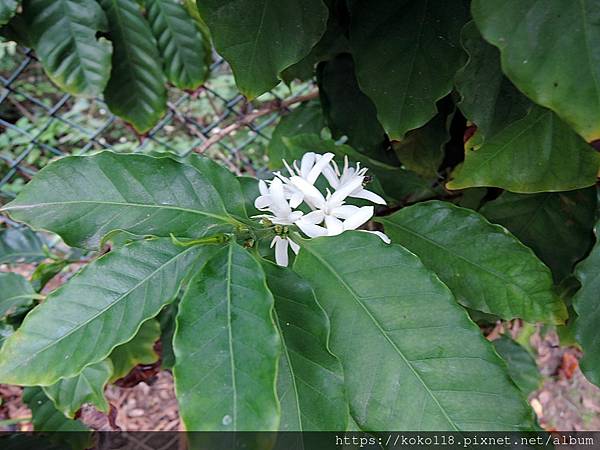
point(251, 117)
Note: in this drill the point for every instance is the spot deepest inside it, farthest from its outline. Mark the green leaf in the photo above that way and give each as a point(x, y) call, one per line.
point(224, 182)
point(305, 119)
point(166, 319)
point(179, 42)
point(486, 267)
point(46, 417)
point(101, 307)
point(69, 394)
point(412, 359)
point(139, 350)
point(521, 366)
point(423, 365)
point(64, 37)
point(311, 383)
point(261, 38)
point(16, 291)
point(422, 150)
point(83, 198)
point(227, 347)
point(250, 190)
point(535, 154)
point(488, 98)
point(585, 303)
point(20, 245)
point(136, 90)
point(549, 50)
point(8, 8)
point(557, 226)
point(333, 42)
point(348, 111)
point(406, 55)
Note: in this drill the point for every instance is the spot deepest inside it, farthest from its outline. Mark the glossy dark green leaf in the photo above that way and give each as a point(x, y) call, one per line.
point(586, 302)
point(46, 417)
point(557, 226)
point(333, 42)
point(16, 291)
point(250, 190)
point(412, 358)
point(550, 51)
point(521, 365)
point(179, 42)
point(224, 182)
point(535, 154)
point(486, 267)
point(8, 8)
point(20, 245)
point(99, 308)
point(69, 394)
point(64, 38)
point(227, 347)
point(136, 91)
point(311, 383)
point(422, 150)
point(406, 55)
point(305, 119)
point(83, 198)
point(348, 111)
point(166, 319)
point(261, 38)
point(139, 350)
point(488, 98)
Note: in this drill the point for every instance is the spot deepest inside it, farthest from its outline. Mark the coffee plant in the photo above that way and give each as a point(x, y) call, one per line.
point(444, 179)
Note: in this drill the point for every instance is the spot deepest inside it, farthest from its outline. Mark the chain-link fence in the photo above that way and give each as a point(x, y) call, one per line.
point(38, 122)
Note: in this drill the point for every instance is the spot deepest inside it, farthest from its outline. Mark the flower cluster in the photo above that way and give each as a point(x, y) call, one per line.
point(329, 215)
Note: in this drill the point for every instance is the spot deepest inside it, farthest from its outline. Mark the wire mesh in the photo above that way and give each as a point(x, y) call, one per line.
point(38, 122)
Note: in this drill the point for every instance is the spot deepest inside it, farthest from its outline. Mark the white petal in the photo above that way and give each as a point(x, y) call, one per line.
point(311, 194)
point(330, 175)
point(281, 252)
point(262, 202)
point(262, 187)
point(359, 218)
point(307, 163)
point(368, 195)
point(295, 216)
point(334, 226)
point(310, 229)
point(279, 204)
point(295, 247)
point(344, 211)
point(345, 190)
point(314, 217)
point(296, 198)
point(274, 241)
point(321, 163)
point(383, 236)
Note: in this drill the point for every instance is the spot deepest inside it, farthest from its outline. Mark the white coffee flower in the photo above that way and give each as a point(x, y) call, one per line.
point(274, 199)
point(281, 249)
point(348, 175)
point(330, 215)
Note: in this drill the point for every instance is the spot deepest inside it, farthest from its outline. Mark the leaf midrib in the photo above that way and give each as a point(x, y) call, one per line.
point(457, 255)
point(111, 203)
point(356, 298)
point(230, 335)
point(102, 311)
